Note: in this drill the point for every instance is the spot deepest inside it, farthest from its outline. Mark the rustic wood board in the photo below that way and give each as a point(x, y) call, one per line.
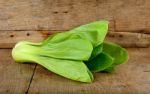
point(45, 15)
point(125, 15)
point(33, 20)
point(132, 77)
point(126, 39)
point(14, 77)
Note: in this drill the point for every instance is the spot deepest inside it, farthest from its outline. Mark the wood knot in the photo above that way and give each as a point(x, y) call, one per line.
point(55, 12)
point(120, 36)
point(28, 34)
point(65, 12)
point(11, 35)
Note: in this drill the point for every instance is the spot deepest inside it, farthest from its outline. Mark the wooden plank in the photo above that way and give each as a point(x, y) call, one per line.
point(45, 15)
point(125, 15)
point(132, 16)
point(140, 26)
point(14, 77)
point(128, 15)
point(129, 78)
point(104, 12)
point(126, 39)
point(9, 39)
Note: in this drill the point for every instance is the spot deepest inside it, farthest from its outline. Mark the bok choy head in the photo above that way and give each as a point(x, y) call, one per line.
point(73, 54)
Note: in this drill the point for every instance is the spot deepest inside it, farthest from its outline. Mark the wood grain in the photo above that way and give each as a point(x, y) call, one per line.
point(9, 39)
point(129, 78)
point(130, 15)
point(126, 39)
point(34, 20)
point(14, 77)
point(45, 15)
point(140, 26)
point(124, 15)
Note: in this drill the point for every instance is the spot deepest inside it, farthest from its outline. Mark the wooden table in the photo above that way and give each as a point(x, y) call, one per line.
point(34, 20)
point(132, 77)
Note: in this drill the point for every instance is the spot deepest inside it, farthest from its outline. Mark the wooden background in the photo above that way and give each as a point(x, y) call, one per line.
point(34, 20)
point(129, 19)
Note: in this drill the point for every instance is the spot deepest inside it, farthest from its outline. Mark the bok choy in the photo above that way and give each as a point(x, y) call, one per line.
point(75, 54)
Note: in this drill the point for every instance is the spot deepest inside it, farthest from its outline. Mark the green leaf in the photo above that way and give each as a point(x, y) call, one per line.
point(94, 32)
point(73, 49)
point(119, 54)
point(109, 69)
point(96, 51)
point(100, 62)
point(75, 70)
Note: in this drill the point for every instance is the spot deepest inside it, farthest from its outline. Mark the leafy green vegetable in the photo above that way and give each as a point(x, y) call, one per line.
point(94, 32)
point(73, 54)
point(115, 55)
point(119, 54)
point(100, 62)
point(96, 51)
point(109, 69)
point(75, 70)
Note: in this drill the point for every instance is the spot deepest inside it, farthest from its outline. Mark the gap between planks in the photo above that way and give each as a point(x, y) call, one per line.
point(31, 79)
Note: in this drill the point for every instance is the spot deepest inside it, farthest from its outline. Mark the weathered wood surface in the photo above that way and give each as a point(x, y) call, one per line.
point(125, 15)
point(126, 39)
point(132, 77)
point(33, 19)
point(9, 39)
point(14, 77)
point(45, 14)
point(29, 16)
